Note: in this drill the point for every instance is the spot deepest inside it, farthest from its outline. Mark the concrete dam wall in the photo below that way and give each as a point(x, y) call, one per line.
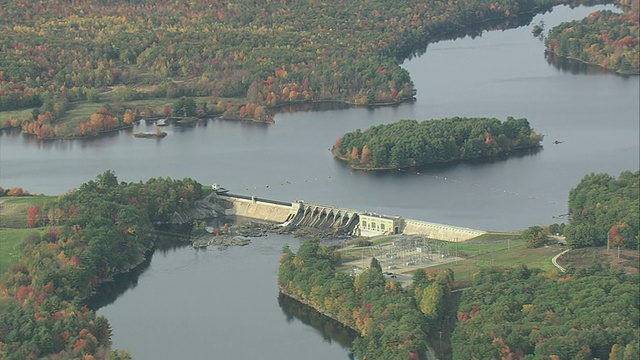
point(339, 221)
point(439, 231)
point(259, 209)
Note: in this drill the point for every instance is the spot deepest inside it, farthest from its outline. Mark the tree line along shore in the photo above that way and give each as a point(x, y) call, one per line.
point(105, 227)
point(123, 61)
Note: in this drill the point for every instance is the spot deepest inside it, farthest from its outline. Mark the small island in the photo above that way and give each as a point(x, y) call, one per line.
point(157, 134)
point(409, 143)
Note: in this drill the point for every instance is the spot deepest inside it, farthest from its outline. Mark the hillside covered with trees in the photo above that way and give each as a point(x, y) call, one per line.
point(393, 322)
point(102, 229)
point(603, 208)
point(409, 143)
point(523, 313)
point(604, 38)
point(120, 54)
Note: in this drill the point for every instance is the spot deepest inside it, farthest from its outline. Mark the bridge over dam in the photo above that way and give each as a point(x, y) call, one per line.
point(340, 221)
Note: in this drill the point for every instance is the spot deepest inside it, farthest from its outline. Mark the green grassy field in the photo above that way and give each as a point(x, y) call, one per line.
point(10, 251)
point(467, 258)
point(81, 111)
point(5, 115)
point(626, 259)
point(516, 254)
point(13, 225)
point(13, 209)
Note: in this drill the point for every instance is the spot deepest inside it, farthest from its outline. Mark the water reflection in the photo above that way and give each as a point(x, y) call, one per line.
point(109, 292)
point(168, 240)
point(442, 167)
point(330, 329)
point(317, 106)
point(456, 31)
point(576, 67)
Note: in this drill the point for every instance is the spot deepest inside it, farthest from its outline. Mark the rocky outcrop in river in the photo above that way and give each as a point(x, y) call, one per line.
point(237, 235)
point(222, 240)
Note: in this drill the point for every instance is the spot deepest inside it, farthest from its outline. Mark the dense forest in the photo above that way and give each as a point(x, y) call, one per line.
point(93, 233)
point(117, 54)
point(604, 38)
point(409, 143)
point(523, 313)
point(603, 208)
point(393, 322)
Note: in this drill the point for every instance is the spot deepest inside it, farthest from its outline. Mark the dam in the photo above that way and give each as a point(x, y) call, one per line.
point(338, 221)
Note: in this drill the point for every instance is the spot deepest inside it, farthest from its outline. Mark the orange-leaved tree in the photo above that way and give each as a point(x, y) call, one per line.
point(365, 158)
point(354, 153)
point(32, 216)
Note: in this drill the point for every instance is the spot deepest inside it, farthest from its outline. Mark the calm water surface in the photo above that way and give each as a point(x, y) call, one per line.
point(217, 304)
point(223, 304)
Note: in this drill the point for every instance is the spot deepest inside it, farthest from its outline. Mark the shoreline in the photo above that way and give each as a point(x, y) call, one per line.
point(455, 161)
point(306, 303)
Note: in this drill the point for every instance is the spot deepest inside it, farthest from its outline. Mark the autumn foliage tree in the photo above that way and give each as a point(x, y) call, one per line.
point(365, 158)
point(128, 117)
point(33, 216)
point(355, 154)
point(16, 191)
point(615, 238)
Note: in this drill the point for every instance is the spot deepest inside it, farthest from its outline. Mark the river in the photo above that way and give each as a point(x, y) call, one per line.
point(224, 304)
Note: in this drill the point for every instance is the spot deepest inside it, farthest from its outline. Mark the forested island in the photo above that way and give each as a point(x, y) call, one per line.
point(121, 60)
point(93, 233)
point(408, 143)
point(604, 38)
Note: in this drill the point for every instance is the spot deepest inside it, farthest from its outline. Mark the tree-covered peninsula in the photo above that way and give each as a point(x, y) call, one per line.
point(392, 322)
point(79, 68)
point(409, 143)
point(84, 238)
point(604, 38)
point(605, 210)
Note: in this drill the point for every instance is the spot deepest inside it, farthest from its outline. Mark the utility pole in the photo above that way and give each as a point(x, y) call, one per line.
point(441, 350)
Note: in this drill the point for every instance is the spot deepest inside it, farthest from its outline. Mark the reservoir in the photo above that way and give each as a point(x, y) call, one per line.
point(224, 304)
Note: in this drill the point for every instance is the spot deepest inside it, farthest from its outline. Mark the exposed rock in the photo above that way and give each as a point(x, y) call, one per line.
point(306, 231)
point(206, 208)
point(253, 228)
point(222, 240)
